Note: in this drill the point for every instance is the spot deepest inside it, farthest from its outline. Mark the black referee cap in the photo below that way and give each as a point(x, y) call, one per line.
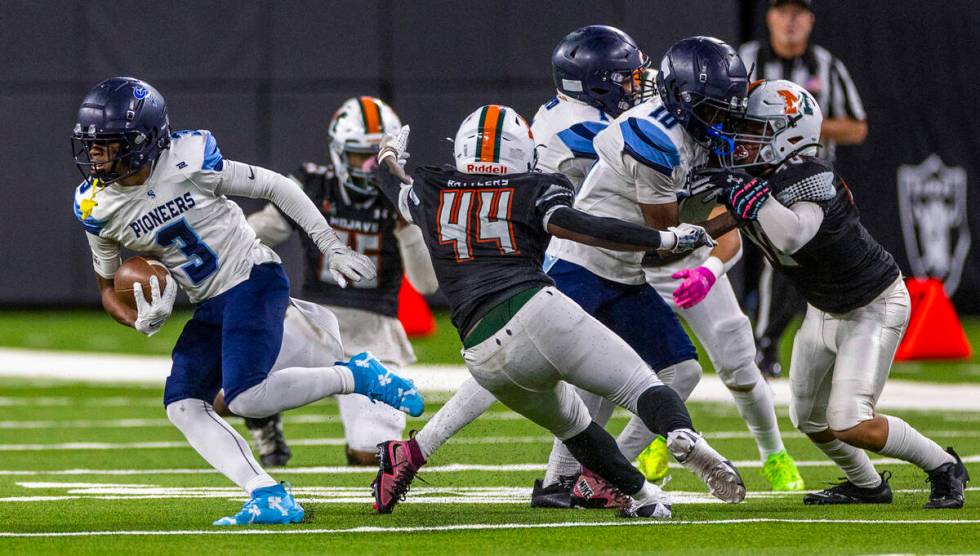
point(805, 4)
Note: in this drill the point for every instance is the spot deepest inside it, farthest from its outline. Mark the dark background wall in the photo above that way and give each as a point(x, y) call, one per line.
point(264, 77)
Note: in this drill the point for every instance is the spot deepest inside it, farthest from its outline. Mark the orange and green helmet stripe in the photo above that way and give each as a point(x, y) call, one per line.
point(488, 140)
point(371, 112)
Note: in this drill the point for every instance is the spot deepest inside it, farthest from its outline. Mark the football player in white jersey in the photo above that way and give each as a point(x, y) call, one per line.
point(697, 288)
point(597, 71)
point(163, 196)
point(644, 157)
point(347, 194)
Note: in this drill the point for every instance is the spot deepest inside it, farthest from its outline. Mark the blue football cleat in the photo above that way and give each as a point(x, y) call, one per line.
point(373, 380)
point(269, 505)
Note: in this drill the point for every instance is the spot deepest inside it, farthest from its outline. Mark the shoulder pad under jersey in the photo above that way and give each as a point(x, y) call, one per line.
point(650, 144)
point(197, 150)
point(810, 179)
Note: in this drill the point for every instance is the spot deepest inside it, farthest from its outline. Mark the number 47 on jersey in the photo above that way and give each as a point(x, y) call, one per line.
point(464, 229)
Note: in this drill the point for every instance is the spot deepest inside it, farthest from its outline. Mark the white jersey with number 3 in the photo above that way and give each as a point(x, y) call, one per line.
point(177, 216)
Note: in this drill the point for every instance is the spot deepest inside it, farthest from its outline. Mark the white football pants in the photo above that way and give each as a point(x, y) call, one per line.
point(551, 344)
point(840, 362)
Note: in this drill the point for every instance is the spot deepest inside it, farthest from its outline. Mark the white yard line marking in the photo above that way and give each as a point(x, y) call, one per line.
point(464, 440)
point(344, 470)
point(290, 420)
point(126, 369)
point(488, 526)
point(338, 495)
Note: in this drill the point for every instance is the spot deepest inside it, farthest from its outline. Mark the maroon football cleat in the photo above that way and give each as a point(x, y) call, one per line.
point(592, 491)
point(398, 462)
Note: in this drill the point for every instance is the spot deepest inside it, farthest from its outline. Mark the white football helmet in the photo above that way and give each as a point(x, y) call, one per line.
point(494, 139)
point(357, 127)
point(782, 120)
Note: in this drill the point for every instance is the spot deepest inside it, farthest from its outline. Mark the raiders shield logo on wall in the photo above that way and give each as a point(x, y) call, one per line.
point(932, 206)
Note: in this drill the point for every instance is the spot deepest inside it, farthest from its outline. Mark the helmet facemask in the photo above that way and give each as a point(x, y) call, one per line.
point(130, 156)
point(782, 121)
point(356, 130)
point(357, 167)
point(710, 122)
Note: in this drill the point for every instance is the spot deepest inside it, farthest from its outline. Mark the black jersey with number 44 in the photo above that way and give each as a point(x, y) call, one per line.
point(842, 268)
point(485, 233)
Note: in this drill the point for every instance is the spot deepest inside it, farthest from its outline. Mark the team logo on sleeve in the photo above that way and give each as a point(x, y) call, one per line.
point(932, 206)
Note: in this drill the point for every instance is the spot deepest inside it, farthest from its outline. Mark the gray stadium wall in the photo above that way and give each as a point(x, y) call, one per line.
point(264, 77)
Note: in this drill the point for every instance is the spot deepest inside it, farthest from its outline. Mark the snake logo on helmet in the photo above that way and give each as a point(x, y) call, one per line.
point(356, 128)
point(494, 139)
point(600, 66)
point(122, 110)
point(703, 83)
point(782, 120)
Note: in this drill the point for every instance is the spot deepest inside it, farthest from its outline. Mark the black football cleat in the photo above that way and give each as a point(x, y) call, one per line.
point(269, 440)
point(948, 483)
point(557, 495)
point(849, 493)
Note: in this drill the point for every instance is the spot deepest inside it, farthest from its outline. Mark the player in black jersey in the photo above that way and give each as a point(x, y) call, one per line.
point(347, 194)
point(803, 217)
point(487, 222)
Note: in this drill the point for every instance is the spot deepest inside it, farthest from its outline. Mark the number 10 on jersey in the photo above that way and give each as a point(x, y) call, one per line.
point(459, 227)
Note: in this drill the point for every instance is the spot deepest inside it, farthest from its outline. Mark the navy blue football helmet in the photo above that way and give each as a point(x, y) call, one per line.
point(601, 66)
point(120, 110)
point(704, 84)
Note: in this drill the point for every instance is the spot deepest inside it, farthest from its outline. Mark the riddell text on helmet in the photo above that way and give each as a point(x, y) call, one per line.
point(485, 168)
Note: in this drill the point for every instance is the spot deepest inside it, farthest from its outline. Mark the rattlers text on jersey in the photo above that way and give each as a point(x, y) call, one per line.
point(486, 234)
point(644, 156)
point(564, 129)
point(179, 216)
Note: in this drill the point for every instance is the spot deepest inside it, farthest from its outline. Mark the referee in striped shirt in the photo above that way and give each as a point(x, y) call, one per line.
point(789, 54)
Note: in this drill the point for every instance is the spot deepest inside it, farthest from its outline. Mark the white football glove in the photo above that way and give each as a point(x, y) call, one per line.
point(150, 315)
point(347, 265)
point(690, 237)
point(395, 145)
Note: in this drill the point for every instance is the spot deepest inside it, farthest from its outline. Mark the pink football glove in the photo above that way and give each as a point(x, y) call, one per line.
point(697, 282)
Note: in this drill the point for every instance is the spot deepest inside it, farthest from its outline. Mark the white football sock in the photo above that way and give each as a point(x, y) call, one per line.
point(468, 403)
point(854, 462)
point(650, 494)
point(634, 438)
point(218, 443)
point(292, 387)
point(561, 462)
point(906, 443)
point(759, 412)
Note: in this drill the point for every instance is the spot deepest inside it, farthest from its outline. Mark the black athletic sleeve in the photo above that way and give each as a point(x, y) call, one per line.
point(605, 228)
point(390, 185)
